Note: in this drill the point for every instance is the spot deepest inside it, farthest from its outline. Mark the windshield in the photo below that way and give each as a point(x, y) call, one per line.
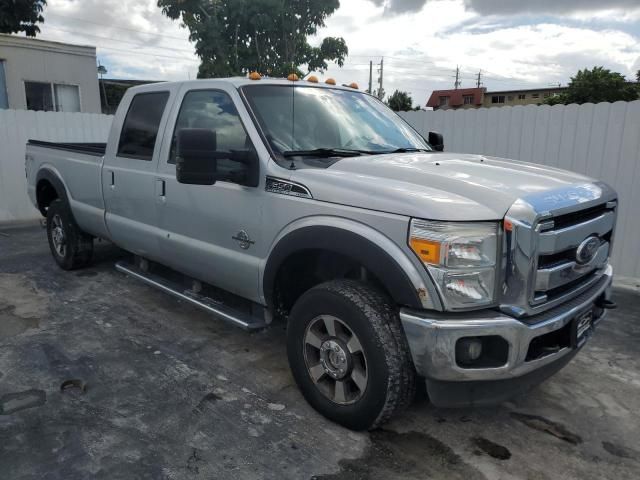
point(327, 119)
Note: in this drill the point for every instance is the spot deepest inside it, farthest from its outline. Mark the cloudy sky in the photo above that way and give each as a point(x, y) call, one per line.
point(515, 43)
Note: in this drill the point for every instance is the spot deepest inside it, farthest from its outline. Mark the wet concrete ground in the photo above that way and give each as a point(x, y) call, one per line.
point(103, 377)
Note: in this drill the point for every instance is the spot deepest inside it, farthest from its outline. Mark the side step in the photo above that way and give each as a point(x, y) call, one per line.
point(244, 320)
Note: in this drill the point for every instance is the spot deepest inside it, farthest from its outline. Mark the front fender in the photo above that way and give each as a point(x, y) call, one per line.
point(369, 247)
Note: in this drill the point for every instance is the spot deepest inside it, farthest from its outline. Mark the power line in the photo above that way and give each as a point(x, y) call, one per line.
point(120, 41)
point(49, 14)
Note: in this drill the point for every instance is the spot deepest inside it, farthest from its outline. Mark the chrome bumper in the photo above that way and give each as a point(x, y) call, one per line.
point(432, 337)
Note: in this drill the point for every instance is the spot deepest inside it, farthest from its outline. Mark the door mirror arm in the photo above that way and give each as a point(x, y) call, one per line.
point(248, 158)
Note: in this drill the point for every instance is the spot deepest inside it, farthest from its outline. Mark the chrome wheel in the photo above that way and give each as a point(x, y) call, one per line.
point(58, 236)
point(335, 360)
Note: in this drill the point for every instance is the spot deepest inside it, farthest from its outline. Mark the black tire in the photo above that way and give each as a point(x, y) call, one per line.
point(373, 318)
point(77, 246)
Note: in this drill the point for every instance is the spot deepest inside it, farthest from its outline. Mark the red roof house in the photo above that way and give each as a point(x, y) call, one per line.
point(456, 98)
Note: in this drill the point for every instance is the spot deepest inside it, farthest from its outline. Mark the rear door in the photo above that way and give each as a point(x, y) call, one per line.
point(129, 175)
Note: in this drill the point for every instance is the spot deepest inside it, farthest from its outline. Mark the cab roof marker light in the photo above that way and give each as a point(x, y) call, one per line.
point(255, 76)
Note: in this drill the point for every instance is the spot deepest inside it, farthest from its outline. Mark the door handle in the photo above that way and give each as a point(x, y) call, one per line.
point(113, 178)
point(161, 187)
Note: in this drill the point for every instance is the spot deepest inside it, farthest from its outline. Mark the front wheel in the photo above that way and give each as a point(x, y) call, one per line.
point(348, 354)
point(71, 247)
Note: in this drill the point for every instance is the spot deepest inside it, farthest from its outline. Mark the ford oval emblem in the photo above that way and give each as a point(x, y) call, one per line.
point(587, 250)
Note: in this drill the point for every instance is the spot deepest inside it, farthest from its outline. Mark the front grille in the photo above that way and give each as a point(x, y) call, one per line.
point(548, 260)
point(558, 270)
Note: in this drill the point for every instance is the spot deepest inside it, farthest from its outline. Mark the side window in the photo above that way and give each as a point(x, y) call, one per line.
point(214, 110)
point(140, 128)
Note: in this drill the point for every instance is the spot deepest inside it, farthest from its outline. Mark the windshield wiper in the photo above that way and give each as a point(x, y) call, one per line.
point(404, 150)
point(325, 153)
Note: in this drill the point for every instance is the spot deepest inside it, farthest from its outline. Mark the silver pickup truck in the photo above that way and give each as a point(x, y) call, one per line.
point(390, 260)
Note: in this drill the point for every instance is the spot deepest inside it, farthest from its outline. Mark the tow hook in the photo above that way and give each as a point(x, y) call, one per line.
point(606, 304)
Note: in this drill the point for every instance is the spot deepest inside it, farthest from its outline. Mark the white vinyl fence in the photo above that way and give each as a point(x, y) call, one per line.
point(602, 141)
point(16, 127)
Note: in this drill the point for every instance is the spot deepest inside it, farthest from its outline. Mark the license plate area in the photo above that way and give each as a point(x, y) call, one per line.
point(582, 328)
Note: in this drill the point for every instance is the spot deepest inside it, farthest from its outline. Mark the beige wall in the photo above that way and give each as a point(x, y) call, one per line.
point(41, 61)
point(511, 97)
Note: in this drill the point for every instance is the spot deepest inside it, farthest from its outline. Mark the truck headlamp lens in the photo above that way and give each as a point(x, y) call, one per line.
point(461, 258)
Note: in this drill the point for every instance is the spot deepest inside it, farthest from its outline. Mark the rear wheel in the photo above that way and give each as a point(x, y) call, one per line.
point(71, 247)
point(348, 354)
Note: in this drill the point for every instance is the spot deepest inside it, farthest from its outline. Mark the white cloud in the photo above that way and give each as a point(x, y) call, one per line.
point(133, 38)
point(422, 41)
point(422, 48)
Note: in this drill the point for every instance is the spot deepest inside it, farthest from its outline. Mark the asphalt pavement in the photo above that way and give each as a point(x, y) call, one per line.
point(103, 377)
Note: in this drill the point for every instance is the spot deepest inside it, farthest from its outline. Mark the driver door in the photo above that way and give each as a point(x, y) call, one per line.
point(211, 231)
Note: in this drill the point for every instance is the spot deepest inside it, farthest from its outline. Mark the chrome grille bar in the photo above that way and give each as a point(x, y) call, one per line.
point(570, 237)
point(559, 275)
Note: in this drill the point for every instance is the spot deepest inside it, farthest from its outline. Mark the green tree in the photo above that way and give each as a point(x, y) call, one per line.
point(21, 16)
point(400, 101)
point(233, 37)
point(596, 85)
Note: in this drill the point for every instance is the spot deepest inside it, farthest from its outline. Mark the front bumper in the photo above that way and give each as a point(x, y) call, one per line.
point(432, 340)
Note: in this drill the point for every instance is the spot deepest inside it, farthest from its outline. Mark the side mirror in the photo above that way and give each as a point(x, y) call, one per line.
point(196, 161)
point(436, 141)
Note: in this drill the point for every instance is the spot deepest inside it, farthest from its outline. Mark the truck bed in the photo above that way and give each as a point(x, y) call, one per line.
point(97, 149)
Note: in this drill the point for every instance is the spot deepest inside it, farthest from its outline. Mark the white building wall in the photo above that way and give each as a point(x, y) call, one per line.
point(16, 127)
point(28, 59)
point(602, 141)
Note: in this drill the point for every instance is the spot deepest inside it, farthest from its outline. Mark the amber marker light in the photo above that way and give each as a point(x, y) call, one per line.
point(330, 81)
point(354, 85)
point(255, 76)
point(508, 226)
point(312, 79)
point(293, 77)
point(427, 250)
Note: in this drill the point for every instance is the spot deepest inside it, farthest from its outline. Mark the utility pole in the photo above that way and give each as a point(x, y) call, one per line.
point(380, 79)
point(479, 82)
point(370, 77)
point(102, 70)
point(458, 83)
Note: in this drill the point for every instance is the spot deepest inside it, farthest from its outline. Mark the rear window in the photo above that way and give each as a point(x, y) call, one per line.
point(140, 129)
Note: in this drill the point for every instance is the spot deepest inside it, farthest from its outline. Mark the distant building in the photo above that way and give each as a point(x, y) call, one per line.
point(456, 98)
point(479, 97)
point(112, 90)
point(50, 76)
point(532, 96)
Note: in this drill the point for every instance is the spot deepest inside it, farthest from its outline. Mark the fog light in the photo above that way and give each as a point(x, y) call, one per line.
point(468, 350)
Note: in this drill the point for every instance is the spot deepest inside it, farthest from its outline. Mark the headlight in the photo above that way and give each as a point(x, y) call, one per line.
point(461, 258)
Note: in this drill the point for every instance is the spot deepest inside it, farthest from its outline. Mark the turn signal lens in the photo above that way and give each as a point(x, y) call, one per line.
point(427, 250)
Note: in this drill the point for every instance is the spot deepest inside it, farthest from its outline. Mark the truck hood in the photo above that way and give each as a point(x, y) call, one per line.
point(438, 186)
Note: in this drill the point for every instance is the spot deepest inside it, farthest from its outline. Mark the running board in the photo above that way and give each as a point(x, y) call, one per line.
point(243, 320)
